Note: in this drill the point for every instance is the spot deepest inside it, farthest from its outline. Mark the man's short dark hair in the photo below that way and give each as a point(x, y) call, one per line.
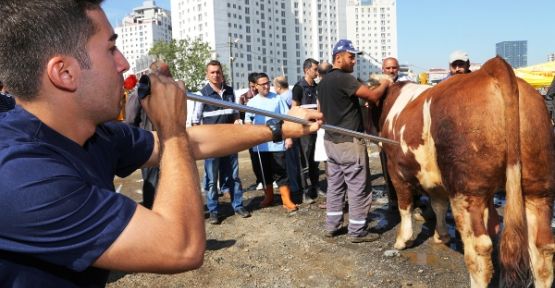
point(307, 64)
point(33, 31)
point(260, 75)
point(252, 77)
point(214, 63)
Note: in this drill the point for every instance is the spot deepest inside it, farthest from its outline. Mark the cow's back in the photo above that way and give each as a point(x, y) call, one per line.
point(448, 130)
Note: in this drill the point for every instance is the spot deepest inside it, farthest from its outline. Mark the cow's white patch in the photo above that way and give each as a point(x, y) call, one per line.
point(404, 234)
point(409, 92)
point(425, 154)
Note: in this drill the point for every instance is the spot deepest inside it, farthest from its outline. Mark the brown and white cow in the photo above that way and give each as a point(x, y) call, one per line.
point(461, 141)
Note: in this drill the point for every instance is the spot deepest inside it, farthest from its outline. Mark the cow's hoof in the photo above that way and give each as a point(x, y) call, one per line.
point(418, 217)
point(441, 239)
point(401, 245)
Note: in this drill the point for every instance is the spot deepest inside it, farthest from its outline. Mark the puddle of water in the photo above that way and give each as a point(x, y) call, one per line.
point(421, 258)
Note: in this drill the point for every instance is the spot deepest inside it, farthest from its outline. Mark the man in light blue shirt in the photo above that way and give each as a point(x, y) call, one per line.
point(272, 154)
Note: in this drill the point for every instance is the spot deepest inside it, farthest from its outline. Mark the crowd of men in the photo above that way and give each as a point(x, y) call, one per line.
point(62, 223)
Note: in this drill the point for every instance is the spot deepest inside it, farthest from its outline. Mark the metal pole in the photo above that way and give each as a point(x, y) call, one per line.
point(226, 104)
point(143, 90)
point(262, 170)
point(231, 60)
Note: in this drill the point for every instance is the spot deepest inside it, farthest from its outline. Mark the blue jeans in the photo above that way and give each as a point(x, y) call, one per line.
point(228, 166)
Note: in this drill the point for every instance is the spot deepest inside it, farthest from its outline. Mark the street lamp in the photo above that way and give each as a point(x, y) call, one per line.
point(231, 43)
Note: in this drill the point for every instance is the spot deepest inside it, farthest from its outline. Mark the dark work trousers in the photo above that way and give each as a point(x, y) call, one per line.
point(309, 166)
point(348, 172)
point(255, 165)
point(273, 167)
point(150, 180)
point(293, 166)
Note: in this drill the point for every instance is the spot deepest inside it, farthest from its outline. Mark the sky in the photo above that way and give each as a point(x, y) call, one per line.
point(429, 30)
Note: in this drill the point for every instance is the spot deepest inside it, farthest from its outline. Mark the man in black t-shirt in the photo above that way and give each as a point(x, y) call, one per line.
point(347, 169)
point(304, 95)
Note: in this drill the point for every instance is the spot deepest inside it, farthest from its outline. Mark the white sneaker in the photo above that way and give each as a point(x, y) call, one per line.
point(275, 185)
point(259, 186)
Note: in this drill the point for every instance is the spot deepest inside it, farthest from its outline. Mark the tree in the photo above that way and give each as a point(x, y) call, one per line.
point(187, 59)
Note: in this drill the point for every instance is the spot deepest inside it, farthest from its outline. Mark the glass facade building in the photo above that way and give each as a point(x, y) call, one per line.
point(514, 52)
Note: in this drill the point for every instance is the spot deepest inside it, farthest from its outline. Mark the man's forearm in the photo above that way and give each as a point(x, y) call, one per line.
point(223, 139)
point(178, 198)
point(208, 141)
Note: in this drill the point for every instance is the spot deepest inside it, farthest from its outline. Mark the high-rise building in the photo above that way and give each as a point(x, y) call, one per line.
point(140, 30)
point(274, 37)
point(372, 27)
point(514, 52)
point(551, 57)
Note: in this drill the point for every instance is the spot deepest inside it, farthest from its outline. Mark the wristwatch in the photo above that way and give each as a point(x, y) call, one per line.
point(275, 127)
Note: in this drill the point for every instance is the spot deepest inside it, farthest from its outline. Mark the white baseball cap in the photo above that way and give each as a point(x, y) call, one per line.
point(458, 55)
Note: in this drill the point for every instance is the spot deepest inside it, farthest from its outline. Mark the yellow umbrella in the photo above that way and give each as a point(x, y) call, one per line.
point(537, 81)
point(539, 75)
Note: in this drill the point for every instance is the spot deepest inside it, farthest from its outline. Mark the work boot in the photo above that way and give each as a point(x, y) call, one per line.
point(214, 218)
point(308, 200)
point(331, 234)
point(244, 213)
point(365, 237)
point(268, 197)
point(286, 198)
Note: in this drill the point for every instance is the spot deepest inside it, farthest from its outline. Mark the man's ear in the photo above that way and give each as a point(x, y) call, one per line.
point(64, 72)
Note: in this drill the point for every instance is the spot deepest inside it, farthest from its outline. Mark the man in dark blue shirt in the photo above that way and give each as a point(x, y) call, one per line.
point(61, 223)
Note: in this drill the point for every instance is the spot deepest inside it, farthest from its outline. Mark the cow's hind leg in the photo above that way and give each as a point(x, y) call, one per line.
point(440, 204)
point(470, 216)
point(540, 239)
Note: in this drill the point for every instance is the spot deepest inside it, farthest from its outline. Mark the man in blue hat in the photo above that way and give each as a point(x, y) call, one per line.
point(347, 168)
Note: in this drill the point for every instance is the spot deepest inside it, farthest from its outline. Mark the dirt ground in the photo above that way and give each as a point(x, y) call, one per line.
point(276, 249)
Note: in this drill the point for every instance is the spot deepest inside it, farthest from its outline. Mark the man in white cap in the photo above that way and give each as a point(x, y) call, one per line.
point(459, 63)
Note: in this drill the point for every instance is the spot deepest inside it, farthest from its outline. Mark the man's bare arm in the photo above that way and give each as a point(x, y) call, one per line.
point(206, 139)
point(170, 237)
point(374, 94)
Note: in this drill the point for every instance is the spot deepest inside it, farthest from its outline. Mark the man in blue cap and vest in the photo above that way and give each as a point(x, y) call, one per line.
point(347, 169)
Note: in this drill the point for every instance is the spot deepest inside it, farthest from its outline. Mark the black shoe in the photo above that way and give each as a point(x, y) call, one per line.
point(331, 234)
point(308, 200)
point(214, 219)
point(365, 237)
point(241, 211)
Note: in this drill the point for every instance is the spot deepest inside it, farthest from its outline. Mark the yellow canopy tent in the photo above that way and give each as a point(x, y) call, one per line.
point(539, 75)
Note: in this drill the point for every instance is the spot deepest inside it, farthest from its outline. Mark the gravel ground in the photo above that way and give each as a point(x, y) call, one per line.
point(276, 249)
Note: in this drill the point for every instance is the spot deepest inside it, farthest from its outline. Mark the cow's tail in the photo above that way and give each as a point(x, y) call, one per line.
point(514, 239)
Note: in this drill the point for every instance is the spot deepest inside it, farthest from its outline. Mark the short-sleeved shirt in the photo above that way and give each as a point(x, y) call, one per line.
point(273, 103)
point(338, 103)
point(287, 96)
point(58, 208)
point(305, 94)
point(211, 114)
